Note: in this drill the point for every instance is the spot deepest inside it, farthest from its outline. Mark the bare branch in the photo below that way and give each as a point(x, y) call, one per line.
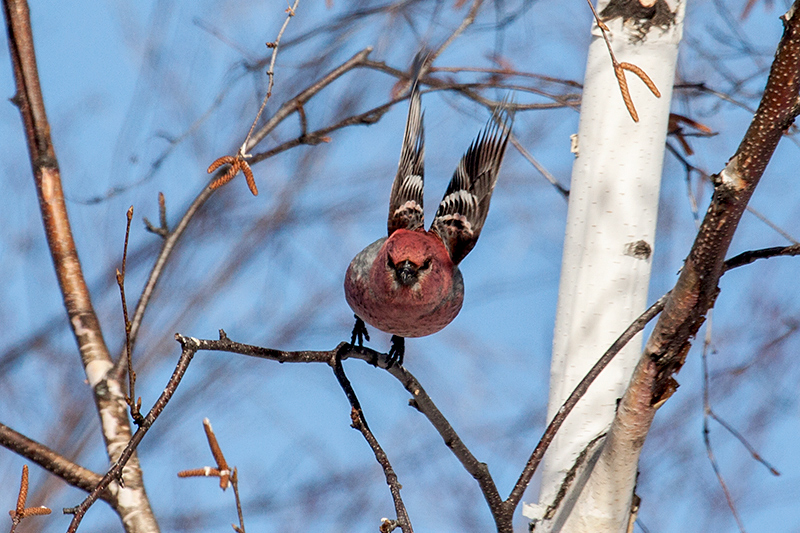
point(538, 166)
point(135, 405)
point(465, 23)
point(298, 101)
point(536, 457)
point(745, 258)
point(360, 423)
point(115, 472)
point(85, 325)
point(707, 432)
point(270, 73)
point(696, 288)
point(53, 462)
point(421, 401)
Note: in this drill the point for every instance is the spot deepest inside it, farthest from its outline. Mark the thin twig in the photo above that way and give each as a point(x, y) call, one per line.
point(706, 432)
point(305, 95)
point(689, 169)
point(135, 405)
point(270, 73)
point(708, 411)
point(510, 72)
point(163, 229)
point(369, 117)
point(571, 101)
point(465, 23)
point(536, 457)
point(703, 88)
point(705, 175)
point(115, 472)
point(239, 513)
point(538, 166)
point(744, 442)
point(745, 258)
point(359, 422)
point(780, 231)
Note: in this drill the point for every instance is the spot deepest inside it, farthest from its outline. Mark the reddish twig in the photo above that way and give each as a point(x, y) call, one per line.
point(222, 471)
point(620, 68)
point(21, 512)
point(162, 229)
point(135, 406)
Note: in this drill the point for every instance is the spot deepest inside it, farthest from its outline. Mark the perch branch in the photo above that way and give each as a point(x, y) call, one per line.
point(359, 422)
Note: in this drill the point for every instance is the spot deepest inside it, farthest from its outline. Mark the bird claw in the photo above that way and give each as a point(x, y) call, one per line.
point(396, 352)
point(359, 332)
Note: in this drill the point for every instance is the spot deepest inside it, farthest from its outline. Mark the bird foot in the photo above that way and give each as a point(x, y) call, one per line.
point(359, 332)
point(396, 352)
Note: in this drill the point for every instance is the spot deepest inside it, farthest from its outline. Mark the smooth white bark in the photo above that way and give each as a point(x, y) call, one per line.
point(605, 275)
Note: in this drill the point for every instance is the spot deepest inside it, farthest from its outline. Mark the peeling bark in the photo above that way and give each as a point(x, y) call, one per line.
point(131, 503)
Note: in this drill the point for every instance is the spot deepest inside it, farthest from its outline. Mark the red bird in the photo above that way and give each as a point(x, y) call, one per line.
point(408, 284)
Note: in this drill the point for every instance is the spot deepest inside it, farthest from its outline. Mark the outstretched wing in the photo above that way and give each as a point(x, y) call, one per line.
point(463, 210)
point(405, 204)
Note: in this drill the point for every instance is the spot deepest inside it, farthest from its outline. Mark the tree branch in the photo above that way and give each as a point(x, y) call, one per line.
point(552, 428)
point(696, 288)
point(172, 237)
point(53, 462)
point(114, 474)
point(421, 401)
point(360, 423)
point(110, 401)
point(745, 258)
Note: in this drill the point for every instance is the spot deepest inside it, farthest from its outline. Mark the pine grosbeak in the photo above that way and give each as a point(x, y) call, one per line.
point(408, 284)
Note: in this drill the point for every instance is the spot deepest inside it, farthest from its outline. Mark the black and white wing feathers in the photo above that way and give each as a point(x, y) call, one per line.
point(405, 204)
point(462, 212)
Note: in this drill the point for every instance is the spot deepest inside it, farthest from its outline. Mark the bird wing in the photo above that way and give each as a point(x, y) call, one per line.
point(463, 209)
point(405, 204)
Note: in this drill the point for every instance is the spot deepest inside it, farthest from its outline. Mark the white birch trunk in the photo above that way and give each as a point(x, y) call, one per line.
point(605, 273)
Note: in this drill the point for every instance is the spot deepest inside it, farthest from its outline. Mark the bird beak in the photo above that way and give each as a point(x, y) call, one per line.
point(406, 273)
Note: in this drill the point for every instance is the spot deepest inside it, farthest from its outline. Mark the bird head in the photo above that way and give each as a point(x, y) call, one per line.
point(409, 256)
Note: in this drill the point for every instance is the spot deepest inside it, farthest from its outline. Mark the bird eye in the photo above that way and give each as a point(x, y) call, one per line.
point(426, 264)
